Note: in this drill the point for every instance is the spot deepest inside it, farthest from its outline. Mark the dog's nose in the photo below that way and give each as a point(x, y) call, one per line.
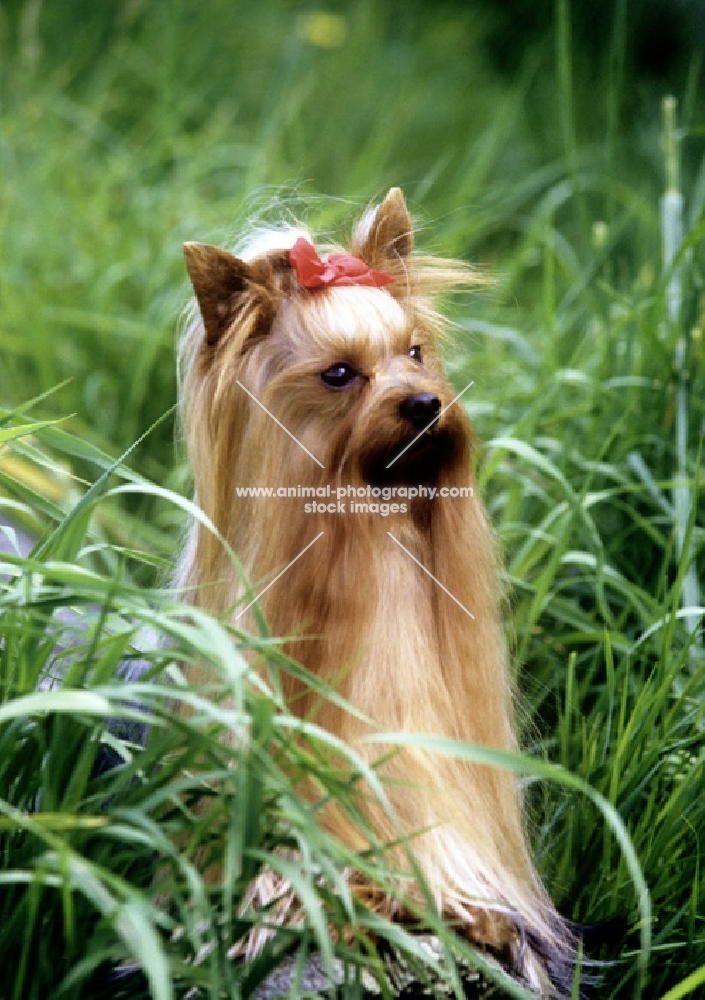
point(420, 409)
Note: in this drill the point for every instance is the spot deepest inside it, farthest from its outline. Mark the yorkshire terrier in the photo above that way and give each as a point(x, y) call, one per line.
point(324, 376)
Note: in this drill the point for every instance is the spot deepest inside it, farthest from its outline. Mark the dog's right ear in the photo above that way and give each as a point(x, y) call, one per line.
point(385, 234)
point(229, 289)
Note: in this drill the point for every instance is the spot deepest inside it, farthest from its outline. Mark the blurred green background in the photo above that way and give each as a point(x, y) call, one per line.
point(528, 138)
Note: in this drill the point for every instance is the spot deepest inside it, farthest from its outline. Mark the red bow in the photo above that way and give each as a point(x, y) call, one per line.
point(339, 269)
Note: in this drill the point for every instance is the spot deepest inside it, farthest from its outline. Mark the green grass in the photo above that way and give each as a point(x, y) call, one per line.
point(127, 128)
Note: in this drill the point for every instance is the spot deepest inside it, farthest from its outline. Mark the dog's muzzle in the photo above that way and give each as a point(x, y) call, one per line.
point(420, 409)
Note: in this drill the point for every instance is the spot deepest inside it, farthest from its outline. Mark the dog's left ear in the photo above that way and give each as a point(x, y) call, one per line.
point(384, 236)
point(232, 294)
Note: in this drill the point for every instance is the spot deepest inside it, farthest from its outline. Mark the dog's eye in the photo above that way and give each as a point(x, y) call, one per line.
point(339, 376)
point(415, 353)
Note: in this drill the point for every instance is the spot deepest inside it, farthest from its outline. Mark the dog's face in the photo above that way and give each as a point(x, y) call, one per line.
point(356, 376)
point(351, 372)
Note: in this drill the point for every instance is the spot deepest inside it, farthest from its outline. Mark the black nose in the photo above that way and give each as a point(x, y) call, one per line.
point(420, 409)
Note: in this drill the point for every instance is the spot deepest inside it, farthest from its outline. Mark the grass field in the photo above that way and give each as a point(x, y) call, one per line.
point(128, 127)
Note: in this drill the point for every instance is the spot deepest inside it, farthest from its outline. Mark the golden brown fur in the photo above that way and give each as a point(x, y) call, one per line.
point(396, 646)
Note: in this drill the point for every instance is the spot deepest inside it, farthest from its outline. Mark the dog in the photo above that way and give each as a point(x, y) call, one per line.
point(324, 376)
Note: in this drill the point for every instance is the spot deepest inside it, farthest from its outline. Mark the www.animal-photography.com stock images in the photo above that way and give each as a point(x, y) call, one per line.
point(352, 523)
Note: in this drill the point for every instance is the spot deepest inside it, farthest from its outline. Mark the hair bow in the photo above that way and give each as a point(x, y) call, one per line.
point(339, 269)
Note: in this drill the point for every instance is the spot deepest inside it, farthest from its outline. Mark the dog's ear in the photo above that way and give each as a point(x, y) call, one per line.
point(385, 235)
point(227, 289)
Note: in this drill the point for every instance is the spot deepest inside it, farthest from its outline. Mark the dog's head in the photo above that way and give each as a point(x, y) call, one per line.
point(351, 371)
